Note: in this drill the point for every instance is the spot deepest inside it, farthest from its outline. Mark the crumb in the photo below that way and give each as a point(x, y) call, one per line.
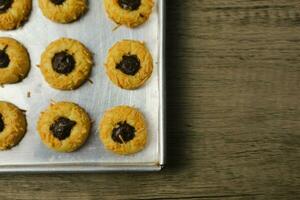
point(52, 101)
point(90, 81)
point(118, 26)
point(24, 111)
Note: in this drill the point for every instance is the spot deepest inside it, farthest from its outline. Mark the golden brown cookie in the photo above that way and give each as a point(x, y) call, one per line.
point(129, 12)
point(64, 126)
point(123, 130)
point(13, 13)
point(66, 64)
point(12, 125)
point(63, 11)
point(129, 64)
point(14, 61)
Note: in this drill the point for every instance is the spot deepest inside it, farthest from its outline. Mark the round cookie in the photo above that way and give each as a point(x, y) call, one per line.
point(123, 130)
point(129, 64)
point(63, 11)
point(13, 13)
point(14, 61)
point(66, 64)
point(131, 13)
point(12, 125)
point(64, 126)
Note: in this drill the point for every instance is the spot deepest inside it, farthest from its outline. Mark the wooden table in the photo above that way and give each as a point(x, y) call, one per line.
point(233, 76)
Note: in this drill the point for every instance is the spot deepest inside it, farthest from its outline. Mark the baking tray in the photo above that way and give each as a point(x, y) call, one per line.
point(97, 32)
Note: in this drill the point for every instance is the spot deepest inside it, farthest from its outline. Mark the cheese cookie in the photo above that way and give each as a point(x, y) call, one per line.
point(12, 125)
point(131, 13)
point(63, 11)
point(13, 13)
point(123, 130)
point(64, 126)
point(129, 64)
point(14, 61)
point(66, 64)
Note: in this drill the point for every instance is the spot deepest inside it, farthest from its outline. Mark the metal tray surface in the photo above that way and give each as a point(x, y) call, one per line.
point(97, 32)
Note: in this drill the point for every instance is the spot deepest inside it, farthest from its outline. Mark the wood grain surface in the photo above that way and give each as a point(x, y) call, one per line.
point(233, 79)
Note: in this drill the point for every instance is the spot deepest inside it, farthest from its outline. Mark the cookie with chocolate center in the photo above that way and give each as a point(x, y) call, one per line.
point(12, 125)
point(63, 11)
point(129, 64)
point(64, 126)
point(14, 61)
point(123, 130)
point(66, 64)
point(13, 13)
point(130, 13)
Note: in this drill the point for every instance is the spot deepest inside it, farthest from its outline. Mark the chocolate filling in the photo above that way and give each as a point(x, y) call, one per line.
point(5, 5)
point(129, 65)
point(61, 128)
point(1, 123)
point(4, 59)
point(63, 63)
point(130, 4)
point(58, 2)
point(123, 133)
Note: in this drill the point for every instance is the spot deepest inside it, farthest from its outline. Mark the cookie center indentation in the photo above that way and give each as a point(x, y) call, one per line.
point(5, 5)
point(123, 133)
point(130, 4)
point(62, 127)
point(1, 124)
point(58, 2)
point(63, 63)
point(129, 65)
point(4, 59)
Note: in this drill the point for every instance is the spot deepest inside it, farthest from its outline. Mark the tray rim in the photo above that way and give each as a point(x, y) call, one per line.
point(162, 85)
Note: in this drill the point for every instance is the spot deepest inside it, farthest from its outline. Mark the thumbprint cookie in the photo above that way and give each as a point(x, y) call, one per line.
point(64, 126)
point(13, 13)
point(130, 13)
point(63, 11)
point(14, 61)
point(12, 125)
point(66, 64)
point(123, 130)
point(129, 64)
